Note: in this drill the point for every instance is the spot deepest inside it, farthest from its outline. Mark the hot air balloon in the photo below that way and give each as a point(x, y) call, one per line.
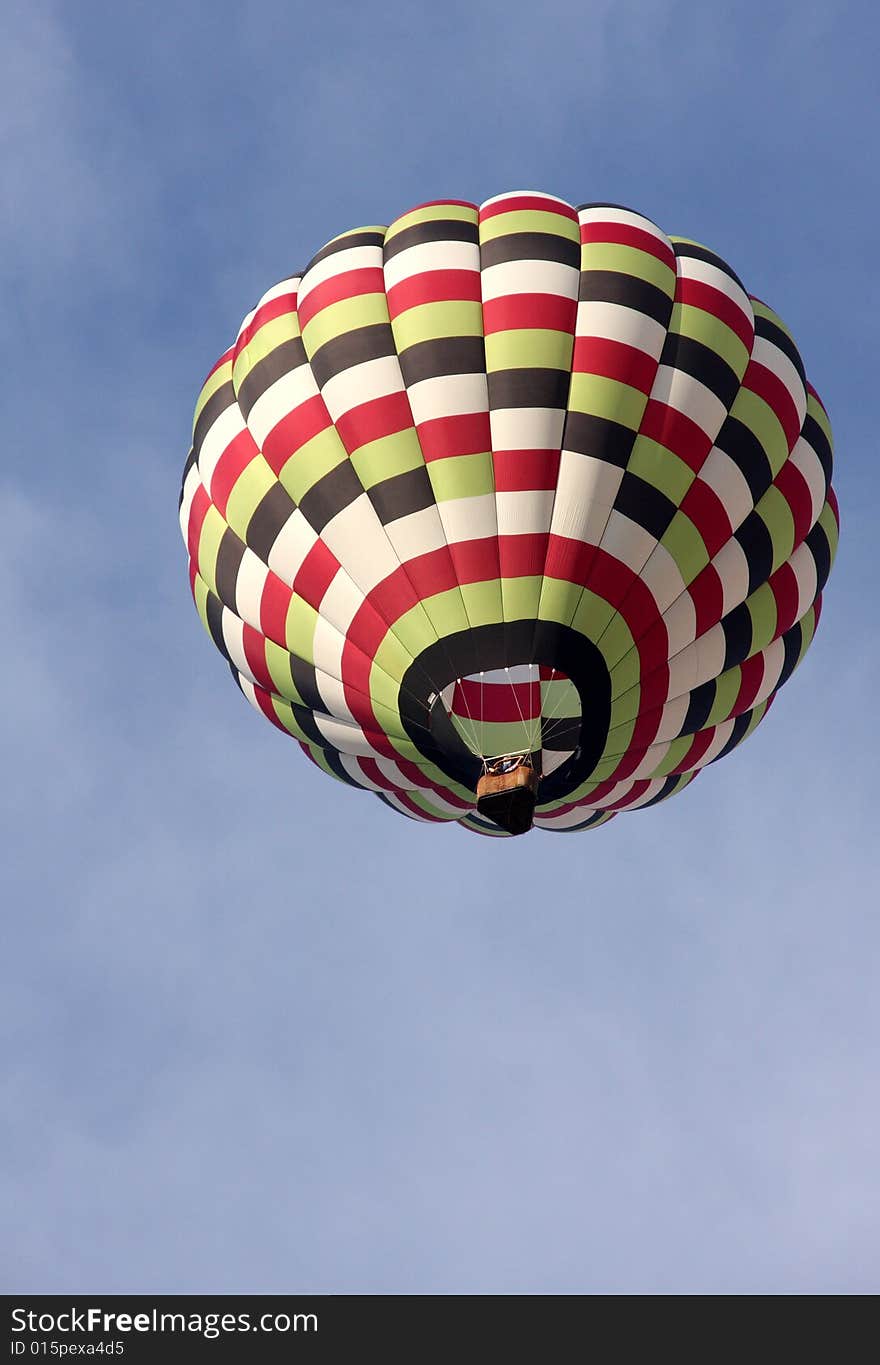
point(513, 514)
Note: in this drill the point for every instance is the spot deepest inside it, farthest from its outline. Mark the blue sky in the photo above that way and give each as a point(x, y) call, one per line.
point(260, 1033)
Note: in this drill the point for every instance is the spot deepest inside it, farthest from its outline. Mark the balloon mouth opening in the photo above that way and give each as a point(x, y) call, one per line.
point(521, 723)
point(517, 688)
point(524, 712)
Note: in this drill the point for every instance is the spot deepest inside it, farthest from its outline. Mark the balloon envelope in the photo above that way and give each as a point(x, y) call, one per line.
point(514, 483)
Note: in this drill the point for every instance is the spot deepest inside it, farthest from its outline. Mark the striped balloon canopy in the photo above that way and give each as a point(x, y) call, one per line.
point(511, 485)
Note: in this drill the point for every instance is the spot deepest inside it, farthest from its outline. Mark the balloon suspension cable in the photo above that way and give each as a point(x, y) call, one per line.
point(554, 713)
point(473, 740)
point(529, 737)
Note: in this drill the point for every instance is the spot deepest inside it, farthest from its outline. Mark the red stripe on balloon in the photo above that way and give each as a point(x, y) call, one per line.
point(701, 743)
point(433, 286)
point(751, 677)
point(626, 234)
point(526, 470)
point(373, 420)
point(514, 312)
point(443, 438)
point(223, 360)
point(348, 284)
point(499, 702)
point(316, 573)
point(707, 594)
point(274, 606)
point(198, 510)
point(636, 791)
point(677, 432)
point(698, 294)
point(762, 381)
point(305, 422)
point(527, 203)
point(614, 360)
point(708, 514)
point(796, 491)
point(232, 463)
point(279, 307)
point(255, 653)
point(786, 593)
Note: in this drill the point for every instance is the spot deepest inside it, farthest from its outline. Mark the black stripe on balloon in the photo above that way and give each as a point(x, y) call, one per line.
point(334, 763)
point(352, 348)
point(699, 707)
point(230, 553)
point(190, 461)
point(306, 683)
point(644, 504)
point(815, 437)
point(586, 434)
point(402, 495)
point(615, 286)
point(504, 645)
point(793, 646)
point(220, 400)
point(438, 230)
point(701, 253)
point(757, 545)
point(214, 614)
point(269, 517)
point(290, 355)
point(769, 330)
point(742, 445)
point(529, 246)
point(306, 722)
point(605, 204)
point(351, 239)
point(737, 627)
point(527, 388)
point(701, 363)
point(671, 785)
point(330, 495)
point(817, 542)
point(740, 726)
point(444, 355)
